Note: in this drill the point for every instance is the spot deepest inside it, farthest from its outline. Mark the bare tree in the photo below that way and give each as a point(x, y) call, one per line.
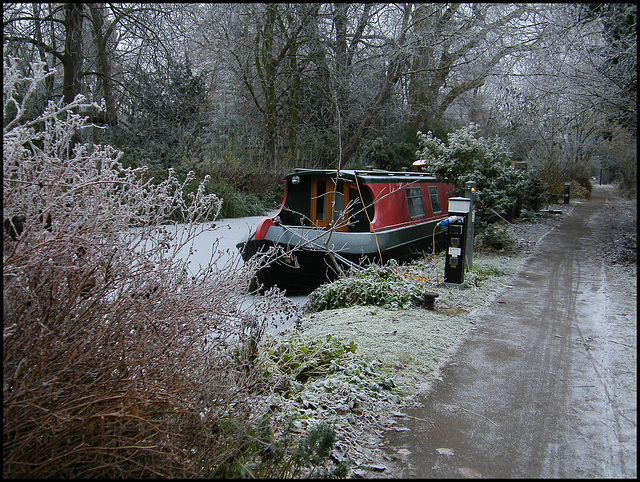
point(394, 69)
point(557, 104)
point(90, 44)
point(266, 48)
point(369, 56)
point(436, 52)
point(615, 60)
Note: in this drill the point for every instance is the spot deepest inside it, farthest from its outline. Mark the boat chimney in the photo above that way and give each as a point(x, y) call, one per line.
point(420, 165)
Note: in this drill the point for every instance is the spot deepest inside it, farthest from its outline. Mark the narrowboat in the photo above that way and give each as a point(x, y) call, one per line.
point(330, 221)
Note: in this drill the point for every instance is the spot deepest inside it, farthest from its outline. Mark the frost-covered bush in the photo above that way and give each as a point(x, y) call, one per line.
point(326, 384)
point(301, 358)
point(375, 285)
point(118, 360)
point(467, 157)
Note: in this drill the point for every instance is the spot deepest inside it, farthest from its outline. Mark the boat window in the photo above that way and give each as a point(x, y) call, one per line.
point(320, 194)
point(339, 205)
point(435, 200)
point(414, 202)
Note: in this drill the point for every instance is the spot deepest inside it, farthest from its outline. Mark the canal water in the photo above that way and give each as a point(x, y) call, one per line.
point(227, 233)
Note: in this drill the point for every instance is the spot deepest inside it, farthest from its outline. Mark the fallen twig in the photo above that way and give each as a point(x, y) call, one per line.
point(420, 419)
point(623, 344)
point(474, 413)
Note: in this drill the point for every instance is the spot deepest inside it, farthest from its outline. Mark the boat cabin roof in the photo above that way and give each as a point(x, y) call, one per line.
point(367, 176)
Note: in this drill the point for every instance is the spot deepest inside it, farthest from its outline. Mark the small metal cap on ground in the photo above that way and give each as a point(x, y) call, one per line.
point(428, 298)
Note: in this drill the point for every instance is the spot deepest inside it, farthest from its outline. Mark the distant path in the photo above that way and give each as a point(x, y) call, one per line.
point(547, 385)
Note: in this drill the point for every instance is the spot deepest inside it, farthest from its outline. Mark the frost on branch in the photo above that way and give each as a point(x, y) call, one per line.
point(117, 359)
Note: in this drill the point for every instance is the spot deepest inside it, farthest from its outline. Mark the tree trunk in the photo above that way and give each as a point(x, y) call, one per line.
point(394, 72)
point(49, 81)
point(430, 63)
point(294, 107)
point(266, 67)
point(72, 58)
point(104, 64)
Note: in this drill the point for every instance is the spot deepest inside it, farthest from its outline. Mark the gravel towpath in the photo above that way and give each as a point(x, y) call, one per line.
point(547, 384)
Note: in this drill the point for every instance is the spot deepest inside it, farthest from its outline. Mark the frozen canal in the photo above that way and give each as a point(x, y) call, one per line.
point(228, 233)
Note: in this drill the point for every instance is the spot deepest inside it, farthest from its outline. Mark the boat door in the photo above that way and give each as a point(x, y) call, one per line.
point(324, 191)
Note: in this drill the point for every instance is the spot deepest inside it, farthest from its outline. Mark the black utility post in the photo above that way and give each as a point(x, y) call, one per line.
point(458, 222)
point(567, 192)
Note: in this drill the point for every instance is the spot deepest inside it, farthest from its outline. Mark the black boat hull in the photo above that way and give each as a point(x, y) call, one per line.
point(303, 258)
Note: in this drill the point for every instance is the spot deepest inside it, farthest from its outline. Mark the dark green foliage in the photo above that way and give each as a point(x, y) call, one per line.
point(492, 239)
point(235, 203)
point(316, 446)
point(246, 189)
point(164, 116)
point(318, 149)
point(392, 153)
point(479, 273)
point(266, 455)
point(250, 178)
point(585, 181)
point(527, 215)
point(156, 157)
point(533, 194)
